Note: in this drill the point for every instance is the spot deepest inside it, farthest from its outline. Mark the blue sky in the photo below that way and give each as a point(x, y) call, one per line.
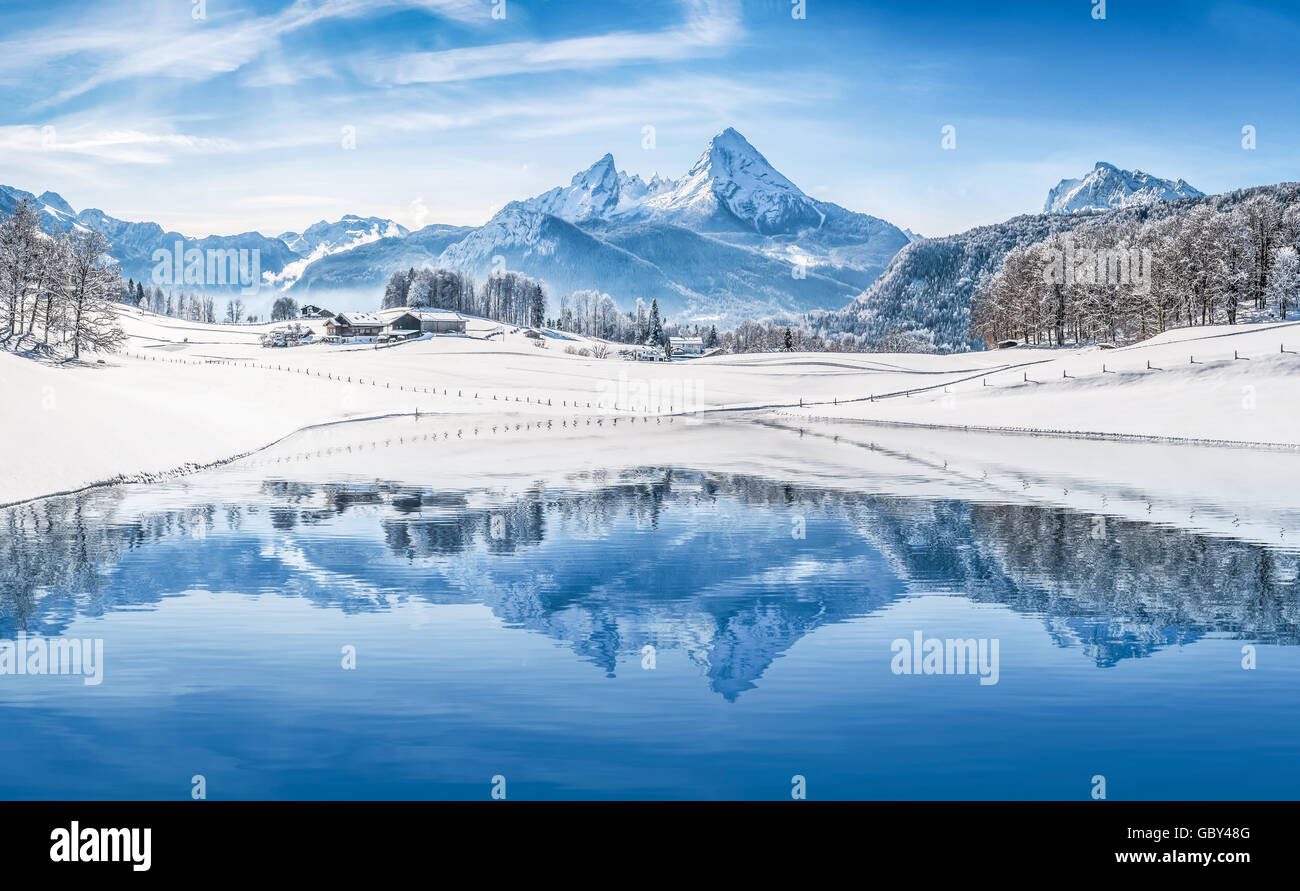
point(236, 120)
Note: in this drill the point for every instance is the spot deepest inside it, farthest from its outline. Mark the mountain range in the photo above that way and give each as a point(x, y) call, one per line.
point(732, 238)
point(1107, 187)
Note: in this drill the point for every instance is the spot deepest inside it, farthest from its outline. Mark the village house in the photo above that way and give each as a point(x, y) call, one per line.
point(355, 324)
point(311, 311)
point(687, 346)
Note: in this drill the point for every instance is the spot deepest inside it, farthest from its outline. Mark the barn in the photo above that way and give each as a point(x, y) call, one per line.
point(424, 321)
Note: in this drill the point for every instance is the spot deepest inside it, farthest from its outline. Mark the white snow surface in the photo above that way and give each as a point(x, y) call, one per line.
point(185, 395)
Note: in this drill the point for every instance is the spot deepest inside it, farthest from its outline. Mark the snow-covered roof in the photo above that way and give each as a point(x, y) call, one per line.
point(422, 313)
point(441, 315)
point(360, 318)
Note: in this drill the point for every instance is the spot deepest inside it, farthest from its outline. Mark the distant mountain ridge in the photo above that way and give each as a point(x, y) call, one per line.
point(733, 238)
point(1107, 187)
point(133, 245)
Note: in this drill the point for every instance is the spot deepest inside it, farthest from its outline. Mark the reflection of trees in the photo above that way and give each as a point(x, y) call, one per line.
point(716, 581)
point(1121, 589)
point(48, 550)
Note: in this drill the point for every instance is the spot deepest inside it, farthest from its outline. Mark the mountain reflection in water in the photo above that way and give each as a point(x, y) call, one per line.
point(730, 570)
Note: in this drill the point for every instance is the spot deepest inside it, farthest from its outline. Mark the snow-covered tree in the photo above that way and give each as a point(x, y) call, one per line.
point(1284, 279)
point(90, 290)
point(20, 238)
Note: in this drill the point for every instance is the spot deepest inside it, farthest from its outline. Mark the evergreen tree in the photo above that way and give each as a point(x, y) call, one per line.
point(655, 327)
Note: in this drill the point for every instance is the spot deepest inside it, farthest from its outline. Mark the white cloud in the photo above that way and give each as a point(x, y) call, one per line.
point(120, 145)
point(709, 25)
point(168, 44)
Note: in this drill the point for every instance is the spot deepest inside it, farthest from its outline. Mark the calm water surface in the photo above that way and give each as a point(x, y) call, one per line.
point(658, 632)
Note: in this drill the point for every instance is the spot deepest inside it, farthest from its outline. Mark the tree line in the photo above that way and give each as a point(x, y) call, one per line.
point(516, 299)
point(505, 297)
point(190, 307)
point(1121, 278)
point(63, 286)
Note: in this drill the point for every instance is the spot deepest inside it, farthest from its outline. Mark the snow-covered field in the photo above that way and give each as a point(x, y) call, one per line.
point(184, 395)
point(1230, 384)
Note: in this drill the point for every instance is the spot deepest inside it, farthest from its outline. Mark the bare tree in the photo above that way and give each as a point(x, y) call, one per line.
point(284, 308)
point(90, 290)
point(20, 237)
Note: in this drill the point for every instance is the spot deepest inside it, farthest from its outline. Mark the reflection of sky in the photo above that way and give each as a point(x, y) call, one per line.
point(772, 659)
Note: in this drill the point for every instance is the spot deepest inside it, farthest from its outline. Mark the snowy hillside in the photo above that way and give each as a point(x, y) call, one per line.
point(1107, 187)
point(186, 394)
point(1223, 383)
point(928, 286)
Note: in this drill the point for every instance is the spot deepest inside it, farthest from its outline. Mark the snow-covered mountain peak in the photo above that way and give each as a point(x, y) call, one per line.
point(324, 238)
point(731, 186)
point(593, 193)
point(349, 230)
point(597, 171)
point(1107, 187)
point(56, 201)
point(732, 177)
point(730, 158)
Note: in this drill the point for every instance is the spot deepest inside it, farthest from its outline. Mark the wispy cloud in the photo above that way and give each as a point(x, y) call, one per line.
point(120, 145)
point(157, 44)
point(709, 25)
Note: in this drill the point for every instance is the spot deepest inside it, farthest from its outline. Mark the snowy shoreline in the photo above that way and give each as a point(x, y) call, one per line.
point(1068, 434)
point(167, 405)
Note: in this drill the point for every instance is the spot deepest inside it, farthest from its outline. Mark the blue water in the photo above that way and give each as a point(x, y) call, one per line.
point(504, 634)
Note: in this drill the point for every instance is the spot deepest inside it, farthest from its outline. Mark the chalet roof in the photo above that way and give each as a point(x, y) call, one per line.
point(422, 313)
point(355, 319)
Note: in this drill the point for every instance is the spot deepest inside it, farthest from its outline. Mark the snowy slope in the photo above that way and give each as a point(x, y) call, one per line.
point(324, 239)
point(187, 394)
point(561, 255)
point(1230, 383)
point(1107, 187)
